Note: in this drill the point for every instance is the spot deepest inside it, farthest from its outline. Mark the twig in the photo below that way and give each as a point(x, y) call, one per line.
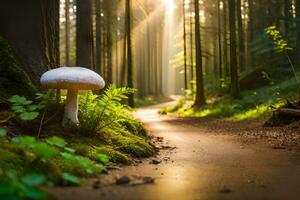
point(41, 124)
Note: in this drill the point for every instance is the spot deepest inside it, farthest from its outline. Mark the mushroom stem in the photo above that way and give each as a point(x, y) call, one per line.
point(71, 108)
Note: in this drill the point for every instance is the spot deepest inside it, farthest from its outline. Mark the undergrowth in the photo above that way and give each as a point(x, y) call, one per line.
point(252, 104)
point(37, 153)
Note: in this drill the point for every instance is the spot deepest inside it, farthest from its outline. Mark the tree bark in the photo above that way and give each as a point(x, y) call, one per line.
point(98, 38)
point(32, 29)
point(233, 56)
point(200, 98)
point(84, 38)
point(241, 36)
point(67, 31)
point(129, 51)
point(184, 46)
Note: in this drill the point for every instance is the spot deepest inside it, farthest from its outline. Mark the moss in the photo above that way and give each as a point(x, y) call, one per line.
point(128, 142)
point(90, 150)
point(114, 155)
point(13, 80)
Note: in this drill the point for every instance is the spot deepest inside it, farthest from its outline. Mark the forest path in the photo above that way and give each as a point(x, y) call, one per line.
point(205, 165)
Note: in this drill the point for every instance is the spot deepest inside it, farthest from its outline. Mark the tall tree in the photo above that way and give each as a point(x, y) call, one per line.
point(84, 34)
point(225, 40)
point(191, 47)
point(241, 35)
point(108, 9)
point(67, 30)
point(220, 41)
point(200, 98)
point(250, 33)
point(98, 37)
point(233, 56)
point(37, 50)
point(298, 28)
point(184, 46)
point(129, 50)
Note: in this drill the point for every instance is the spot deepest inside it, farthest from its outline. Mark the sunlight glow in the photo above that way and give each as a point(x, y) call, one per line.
point(170, 6)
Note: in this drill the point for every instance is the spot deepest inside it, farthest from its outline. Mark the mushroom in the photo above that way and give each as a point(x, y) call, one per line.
point(72, 79)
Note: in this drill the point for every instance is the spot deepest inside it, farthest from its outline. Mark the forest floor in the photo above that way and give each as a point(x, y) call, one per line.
point(204, 158)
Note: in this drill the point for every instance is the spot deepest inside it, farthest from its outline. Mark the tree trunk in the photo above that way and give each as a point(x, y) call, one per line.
point(200, 98)
point(32, 29)
point(191, 48)
point(250, 34)
point(220, 41)
point(129, 51)
point(241, 36)
point(184, 46)
point(67, 30)
point(84, 38)
point(108, 8)
point(287, 6)
point(233, 56)
point(298, 28)
point(98, 38)
point(225, 45)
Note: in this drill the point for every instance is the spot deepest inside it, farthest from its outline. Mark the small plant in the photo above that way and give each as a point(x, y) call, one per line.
point(98, 112)
point(27, 109)
point(25, 187)
point(282, 47)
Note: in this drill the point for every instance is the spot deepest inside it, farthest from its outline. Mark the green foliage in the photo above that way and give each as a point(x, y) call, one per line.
point(27, 109)
point(26, 187)
point(252, 104)
point(97, 112)
point(283, 47)
point(72, 179)
point(278, 41)
point(3, 132)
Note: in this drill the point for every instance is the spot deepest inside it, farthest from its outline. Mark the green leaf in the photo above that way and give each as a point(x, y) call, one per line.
point(71, 178)
point(102, 158)
point(33, 180)
point(18, 108)
point(19, 100)
point(3, 132)
point(71, 150)
point(28, 116)
point(56, 141)
point(26, 140)
point(44, 151)
point(32, 193)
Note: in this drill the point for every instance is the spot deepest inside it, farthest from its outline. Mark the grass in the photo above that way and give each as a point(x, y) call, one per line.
point(148, 101)
point(252, 104)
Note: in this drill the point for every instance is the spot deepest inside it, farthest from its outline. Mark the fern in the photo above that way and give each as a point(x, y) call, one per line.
point(106, 110)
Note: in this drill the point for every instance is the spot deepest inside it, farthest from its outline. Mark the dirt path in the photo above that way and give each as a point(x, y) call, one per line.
point(205, 165)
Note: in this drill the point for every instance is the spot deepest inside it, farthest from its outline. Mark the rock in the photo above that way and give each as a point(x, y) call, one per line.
point(113, 168)
point(123, 180)
point(96, 184)
point(142, 180)
point(148, 180)
point(155, 161)
point(225, 190)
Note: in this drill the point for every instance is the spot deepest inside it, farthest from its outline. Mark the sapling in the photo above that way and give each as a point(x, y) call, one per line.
point(282, 47)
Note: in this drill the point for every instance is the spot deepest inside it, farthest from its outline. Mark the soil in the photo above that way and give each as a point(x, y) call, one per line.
point(204, 159)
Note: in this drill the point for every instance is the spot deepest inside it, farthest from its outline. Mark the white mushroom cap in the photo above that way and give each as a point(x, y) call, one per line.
point(72, 78)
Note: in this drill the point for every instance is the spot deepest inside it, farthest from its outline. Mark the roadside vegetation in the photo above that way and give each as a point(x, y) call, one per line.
point(36, 152)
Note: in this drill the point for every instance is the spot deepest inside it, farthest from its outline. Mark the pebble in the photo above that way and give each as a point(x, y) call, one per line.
point(156, 161)
point(123, 180)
